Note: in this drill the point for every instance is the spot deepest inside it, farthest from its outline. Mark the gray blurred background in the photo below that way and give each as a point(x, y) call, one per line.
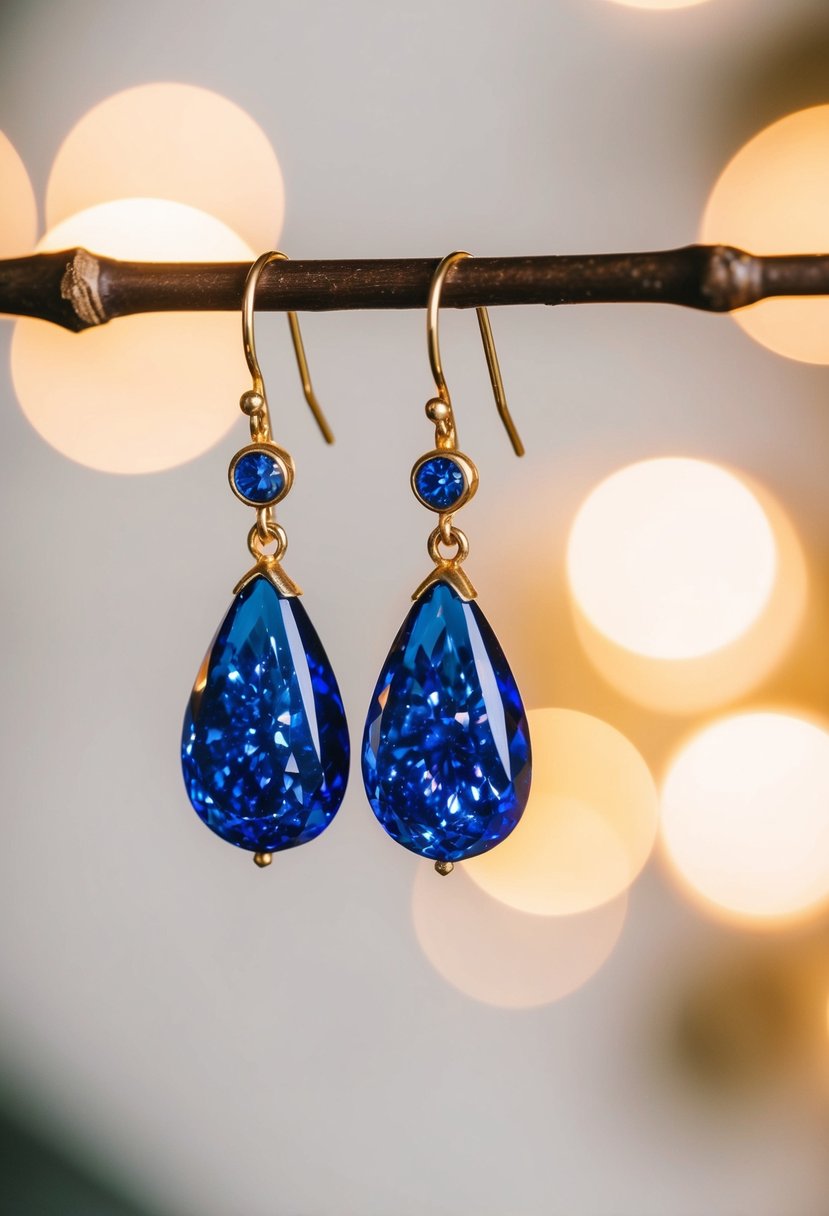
point(181, 1034)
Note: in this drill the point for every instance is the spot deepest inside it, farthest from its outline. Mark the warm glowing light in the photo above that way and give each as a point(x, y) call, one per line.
point(660, 4)
point(686, 686)
point(503, 957)
point(773, 197)
point(589, 826)
point(141, 393)
point(18, 208)
point(148, 229)
point(745, 817)
point(671, 558)
point(172, 141)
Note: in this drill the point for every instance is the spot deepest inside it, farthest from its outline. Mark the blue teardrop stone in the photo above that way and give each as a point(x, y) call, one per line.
point(446, 750)
point(440, 482)
point(264, 748)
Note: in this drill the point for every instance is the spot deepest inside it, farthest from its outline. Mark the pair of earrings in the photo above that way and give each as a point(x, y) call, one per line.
point(446, 751)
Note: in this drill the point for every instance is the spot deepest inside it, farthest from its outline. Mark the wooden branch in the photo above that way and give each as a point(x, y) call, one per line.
point(79, 290)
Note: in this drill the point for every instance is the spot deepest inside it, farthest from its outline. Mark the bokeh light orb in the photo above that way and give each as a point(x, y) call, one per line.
point(140, 393)
point(745, 817)
point(506, 958)
point(18, 208)
point(589, 826)
point(671, 558)
point(177, 142)
point(691, 686)
point(772, 198)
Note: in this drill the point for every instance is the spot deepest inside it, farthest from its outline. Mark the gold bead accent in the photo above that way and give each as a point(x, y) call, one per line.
point(444, 867)
point(251, 402)
point(263, 859)
point(438, 411)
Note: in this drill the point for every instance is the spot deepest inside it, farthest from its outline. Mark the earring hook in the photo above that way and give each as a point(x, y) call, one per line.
point(248, 309)
point(432, 317)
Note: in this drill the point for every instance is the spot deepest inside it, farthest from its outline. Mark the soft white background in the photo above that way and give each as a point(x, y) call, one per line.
point(235, 1042)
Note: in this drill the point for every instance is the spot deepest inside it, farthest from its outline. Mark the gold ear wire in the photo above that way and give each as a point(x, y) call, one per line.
point(432, 318)
point(248, 309)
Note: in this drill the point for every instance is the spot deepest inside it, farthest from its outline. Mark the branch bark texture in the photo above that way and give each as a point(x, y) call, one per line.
point(79, 290)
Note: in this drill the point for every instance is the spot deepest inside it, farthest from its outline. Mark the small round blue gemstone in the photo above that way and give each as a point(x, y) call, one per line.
point(440, 482)
point(258, 477)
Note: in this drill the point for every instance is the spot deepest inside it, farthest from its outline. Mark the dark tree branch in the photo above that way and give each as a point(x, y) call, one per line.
point(78, 290)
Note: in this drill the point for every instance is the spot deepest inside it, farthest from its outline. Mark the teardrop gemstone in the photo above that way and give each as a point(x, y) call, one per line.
point(446, 749)
point(265, 748)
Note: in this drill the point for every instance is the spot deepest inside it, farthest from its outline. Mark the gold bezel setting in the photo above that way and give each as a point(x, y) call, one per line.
point(270, 569)
point(467, 468)
point(282, 459)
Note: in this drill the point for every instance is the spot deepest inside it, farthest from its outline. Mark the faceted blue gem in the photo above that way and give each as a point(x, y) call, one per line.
point(258, 476)
point(446, 750)
point(264, 748)
point(440, 482)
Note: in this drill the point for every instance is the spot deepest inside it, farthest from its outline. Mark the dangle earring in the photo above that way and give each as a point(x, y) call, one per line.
point(264, 748)
point(446, 749)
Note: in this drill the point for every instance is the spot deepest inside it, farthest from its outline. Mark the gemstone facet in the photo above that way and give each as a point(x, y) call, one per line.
point(439, 482)
point(265, 746)
point(258, 477)
point(446, 749)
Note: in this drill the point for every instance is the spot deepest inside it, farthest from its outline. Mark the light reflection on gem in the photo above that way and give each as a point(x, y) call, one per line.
point(440, 482)
point(265, 744)
point(446, 757)
point(258, 477)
